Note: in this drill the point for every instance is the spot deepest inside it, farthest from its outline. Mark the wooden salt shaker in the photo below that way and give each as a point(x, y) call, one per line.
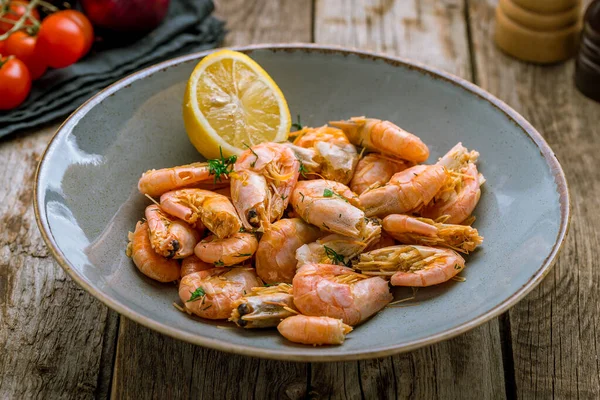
point(587, 65)
point(539, 31)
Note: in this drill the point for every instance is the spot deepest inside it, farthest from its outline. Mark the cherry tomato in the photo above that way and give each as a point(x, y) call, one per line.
point(15, 82)
point(2, 47)
point(15, 9)
point(85, 24)
point(22, 46)
point(64, 37)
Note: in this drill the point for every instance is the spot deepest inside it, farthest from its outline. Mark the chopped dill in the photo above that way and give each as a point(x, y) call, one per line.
point(283, 197)
point(301, 194)
point(221, 166)
point(297, 125)
point(456, 266)
point(219, 263)
point(334, 256)
point(325, 226)
point(244, 255)
point(303, 171)
point(253, 163)
point(207, 307)
point(271, 284)
point(330, 193)
point(196, 294)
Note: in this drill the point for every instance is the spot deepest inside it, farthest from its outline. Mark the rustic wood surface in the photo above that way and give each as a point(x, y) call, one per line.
point(57, 341)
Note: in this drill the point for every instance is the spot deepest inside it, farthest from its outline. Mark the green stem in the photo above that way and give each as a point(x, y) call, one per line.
point(48, 6)
point(19, 24)
point(7, 59)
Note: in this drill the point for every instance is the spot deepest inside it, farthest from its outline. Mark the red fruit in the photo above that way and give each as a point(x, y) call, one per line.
point(15, 10)
point(15, 83)
point(22, 46)
point(2, 47)
point(64, 37)
point(137, 16)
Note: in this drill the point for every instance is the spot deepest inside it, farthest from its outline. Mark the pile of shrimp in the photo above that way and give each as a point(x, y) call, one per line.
point(309, 235)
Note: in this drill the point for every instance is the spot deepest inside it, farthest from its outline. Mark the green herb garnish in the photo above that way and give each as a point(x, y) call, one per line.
point(244, 255)
point(221, 166)
point(298, 125)
point(330, 193)
point(334, 256)
point(301, 194)
point(196, 294)
point(219, 263)
point(325, 226)
point(253, 163)
point(303, 171)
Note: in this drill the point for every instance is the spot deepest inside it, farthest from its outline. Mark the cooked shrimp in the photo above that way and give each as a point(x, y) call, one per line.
point(331, 206)
point(385, 240)
point(337, 249)
point(280, 168)
point(214, 210)
point(226, 191)
point(412, 265)
point(334, 153)
point(146, 260)
point(458, 157)
point(459, 202)
point(276, 254)
point(264, 307)
point(229, 251)
point(192, 264)
point(314, 330)
point(338, 292)
point(156, 182)
point(426, 232)
point(212, 293)
point(407, 191)
point(375, 170)
point(385, 137)
point(170, 237)
point(252, 199)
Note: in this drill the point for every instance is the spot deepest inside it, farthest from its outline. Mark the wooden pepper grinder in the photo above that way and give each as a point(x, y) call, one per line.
point(539, 31)
point(587, 65)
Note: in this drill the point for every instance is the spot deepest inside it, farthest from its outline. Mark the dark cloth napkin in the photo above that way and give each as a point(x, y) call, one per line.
point(187, 28)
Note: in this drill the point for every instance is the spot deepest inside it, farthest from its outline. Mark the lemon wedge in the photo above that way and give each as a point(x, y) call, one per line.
point(230, 103)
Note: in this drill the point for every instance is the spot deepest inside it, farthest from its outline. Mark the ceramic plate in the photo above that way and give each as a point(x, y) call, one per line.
point(87, 199)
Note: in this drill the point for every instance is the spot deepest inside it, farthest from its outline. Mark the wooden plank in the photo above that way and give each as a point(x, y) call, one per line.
point(469, 366)
point(263, 21)
point(51, 331)
point(555, 343)
point(150, 365)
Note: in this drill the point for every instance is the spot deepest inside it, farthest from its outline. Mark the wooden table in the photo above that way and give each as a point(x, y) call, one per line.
point(58, 341)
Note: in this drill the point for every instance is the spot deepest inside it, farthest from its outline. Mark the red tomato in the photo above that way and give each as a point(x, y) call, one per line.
point(16, 9)
point(22, 46)
point(85, 25)
point(2, 47)
point(64, 37)
point(15, 83)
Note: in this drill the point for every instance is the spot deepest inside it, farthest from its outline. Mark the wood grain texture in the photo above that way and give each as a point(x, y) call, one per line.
point(150, 365)
point(469, 366)
point(556, 329)
point(51, 331)
point(260, 21)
